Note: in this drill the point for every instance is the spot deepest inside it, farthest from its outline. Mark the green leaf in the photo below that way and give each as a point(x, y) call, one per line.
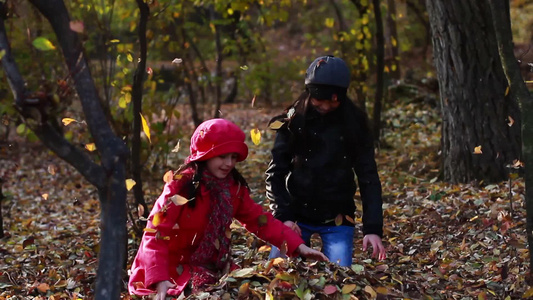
point(43, 44)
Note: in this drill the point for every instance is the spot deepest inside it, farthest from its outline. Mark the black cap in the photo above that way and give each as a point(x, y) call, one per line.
point(328, 70)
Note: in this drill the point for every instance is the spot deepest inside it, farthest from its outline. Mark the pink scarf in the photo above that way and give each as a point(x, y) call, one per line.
point(212, 258)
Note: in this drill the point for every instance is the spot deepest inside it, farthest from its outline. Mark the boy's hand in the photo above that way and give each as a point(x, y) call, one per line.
point(377, 246)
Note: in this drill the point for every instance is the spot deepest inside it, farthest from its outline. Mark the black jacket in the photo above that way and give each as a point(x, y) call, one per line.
point(311, 176)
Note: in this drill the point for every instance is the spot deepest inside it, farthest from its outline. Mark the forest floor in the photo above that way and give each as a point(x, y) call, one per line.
point(444, 241)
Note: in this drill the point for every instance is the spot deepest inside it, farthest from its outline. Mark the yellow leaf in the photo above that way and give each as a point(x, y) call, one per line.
point(393, 41)
point(256, 136)
point(91, 147)
point(130, 183)
point(507, 91)
point(177, 147)
point(178, 200)
point(348, 288)
point(371, 291)
point(382, 290)
point(338, 220)
point(45, 196)
point(169, 175)
point(151, 230)
point(482, 296)
point(67, 121)
point(528, 293)
point(477, 150)
point(127, 98)
point(156, 220)
point(146, 129)
point(276, 125)
point(129, 57)
point(329, 22)
point(349, 219)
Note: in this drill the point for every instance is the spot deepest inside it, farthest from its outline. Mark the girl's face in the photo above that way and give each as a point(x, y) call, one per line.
point(221, 166)
point(325, 106)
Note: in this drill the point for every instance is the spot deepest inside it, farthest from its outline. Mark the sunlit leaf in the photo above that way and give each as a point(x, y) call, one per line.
point(168, 177)
point(253, 101)
point(177, 61)
point(329, 22)
point(43, 44)
point(130, 183)
point(477, 150)
point(177, 147)
point(157, 219)
point(348, 288)
point(91, 147)
point(276, 125)
point(45, 196)
point(507, 91)
point(338, 220)
point(511, 121)
point(67, 121)
point(146, 129)
point(178, 200)
point(256, 136)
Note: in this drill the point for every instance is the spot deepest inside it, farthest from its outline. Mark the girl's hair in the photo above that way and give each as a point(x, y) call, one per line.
point(355, 122)
point(191, 187)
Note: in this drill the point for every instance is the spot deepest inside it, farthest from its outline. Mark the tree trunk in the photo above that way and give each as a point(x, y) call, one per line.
point(391, 37)
point(474, 105)
point(380, 53)
point(137, 94)
point(520, 93)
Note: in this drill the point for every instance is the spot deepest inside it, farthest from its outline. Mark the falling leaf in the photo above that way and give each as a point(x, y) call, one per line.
point(77, 26)
point(149, 71)
point(338, 220)
point(140, 210)
point(284, 248)
point(176, 226)
point(157, 218)
point(178, 200)
point(256, 136)
point(228, 233)
point(91, 147)
point(511, 121)
point(43, 44)
point(130, 183)
point(67, 121)
point(217, 244)
point(244, 68)
point(169, 175)
point(477, 150)
point(348, 288)
point(330, 289)
point(177, 147)
point(52, 169)
point(146, 129)
point(150, 230)
point(507, 91)
point(350, 219)
point(177, 61)
point(45, 196)
point(276, 125)
point(179, 269)
point(253, 101)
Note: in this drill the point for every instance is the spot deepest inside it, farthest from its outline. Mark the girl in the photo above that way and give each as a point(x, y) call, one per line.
point(321, 141)
point(186, 245)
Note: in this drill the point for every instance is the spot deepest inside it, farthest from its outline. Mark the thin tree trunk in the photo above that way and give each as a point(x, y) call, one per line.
point(472, 85)
point(137, 95)
point(380, 53)
point(218, 70)
point(2, 197)
point(391, 38)
point(519, 92)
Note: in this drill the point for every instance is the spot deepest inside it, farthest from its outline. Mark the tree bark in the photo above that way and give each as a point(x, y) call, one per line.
point(391, 38)
point(108, 177)
point(380, 53)
point(475, 109)
point(137, 94)
point(519, 92)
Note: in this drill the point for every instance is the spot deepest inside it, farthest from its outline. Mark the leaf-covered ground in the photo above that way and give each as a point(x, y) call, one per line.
point(443, 241)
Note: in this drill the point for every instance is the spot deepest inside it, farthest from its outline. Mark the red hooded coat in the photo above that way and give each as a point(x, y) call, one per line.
point(165, 249)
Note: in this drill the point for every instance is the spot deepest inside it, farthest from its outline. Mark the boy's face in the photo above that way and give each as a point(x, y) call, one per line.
point(325, 106)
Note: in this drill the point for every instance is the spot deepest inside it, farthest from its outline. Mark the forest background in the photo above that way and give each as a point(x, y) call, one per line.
point(446, 237)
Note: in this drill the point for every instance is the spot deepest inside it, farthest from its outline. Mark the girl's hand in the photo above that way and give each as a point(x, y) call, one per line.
point(292, 225)
point(307, 252)
point(162, 288)
point(377, 246)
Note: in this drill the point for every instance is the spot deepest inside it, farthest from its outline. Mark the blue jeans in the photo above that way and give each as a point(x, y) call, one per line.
point(337, 242)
